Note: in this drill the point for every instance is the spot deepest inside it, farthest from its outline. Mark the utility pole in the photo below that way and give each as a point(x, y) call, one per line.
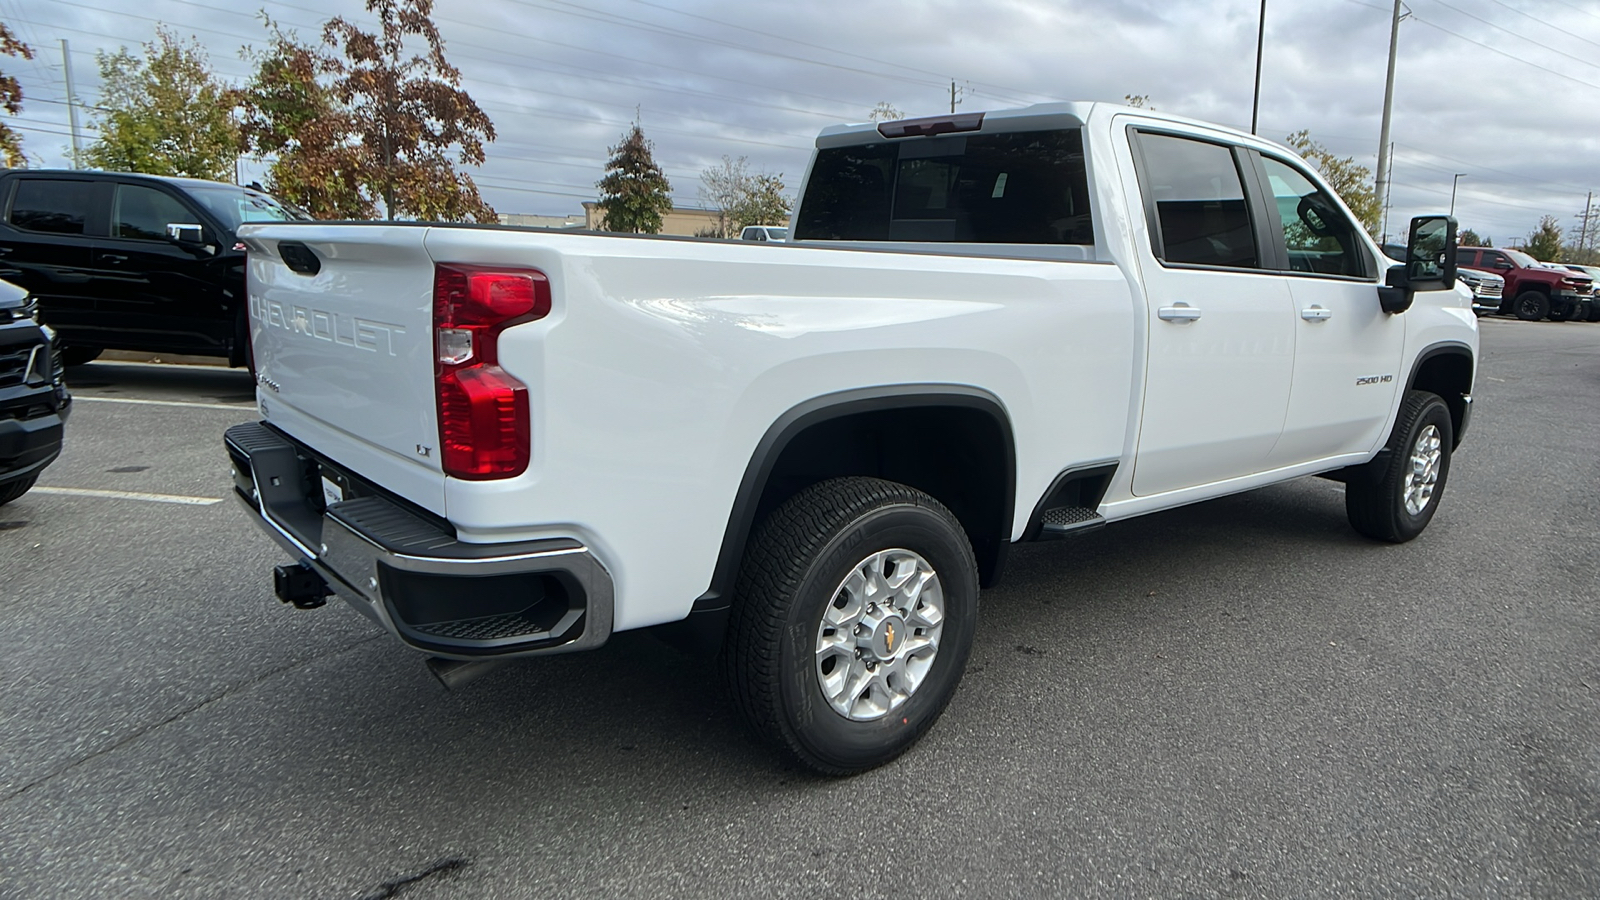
point(1261, 37)
point(72, 106)
point(955, 96)
point(1385, 227)
point(1587, 238)
point(1453, 182)
point(1382, 187)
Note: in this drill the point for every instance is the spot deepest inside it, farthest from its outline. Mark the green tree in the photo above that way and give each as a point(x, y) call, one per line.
point(740, 197)
point(763, 203)
point(1138, 101)
point(634, 193)
point(290, 116)
point(11, 99)
point(407, 117)
point(1470, 238)
point(165, 113)
point(1544, 242)
point(1353, 182)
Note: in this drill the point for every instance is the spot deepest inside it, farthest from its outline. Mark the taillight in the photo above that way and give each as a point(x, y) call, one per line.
point(484, 427)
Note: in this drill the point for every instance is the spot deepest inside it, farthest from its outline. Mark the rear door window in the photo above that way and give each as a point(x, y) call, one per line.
point(55, 206)
point(1195, 190)
point(143, 213)
point(1012, 188)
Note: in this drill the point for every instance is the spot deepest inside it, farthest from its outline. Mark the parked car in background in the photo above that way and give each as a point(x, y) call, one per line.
point(1594, 302)
point(1488, 289)
point(764, 233)
point(132, 262)
point(33, 400)
point(1533, 290)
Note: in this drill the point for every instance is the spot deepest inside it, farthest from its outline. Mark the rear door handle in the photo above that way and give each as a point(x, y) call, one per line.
point(1178, 312)
point(1315, 313)
point(113, 257)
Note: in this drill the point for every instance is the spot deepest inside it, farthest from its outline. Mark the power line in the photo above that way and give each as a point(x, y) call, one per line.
point(1418, 19)
point(1540, 44)
point(1544, 22)
point(939, 75)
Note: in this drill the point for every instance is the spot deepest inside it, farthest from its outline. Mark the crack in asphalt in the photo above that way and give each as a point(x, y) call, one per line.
point(391, 889)
point(242, 686)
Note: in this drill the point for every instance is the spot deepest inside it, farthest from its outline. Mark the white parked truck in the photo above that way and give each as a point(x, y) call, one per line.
point(986, 328)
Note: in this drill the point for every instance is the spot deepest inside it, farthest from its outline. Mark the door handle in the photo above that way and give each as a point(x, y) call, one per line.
point(1178, 312)
point(113, 257)
point(1315, 313)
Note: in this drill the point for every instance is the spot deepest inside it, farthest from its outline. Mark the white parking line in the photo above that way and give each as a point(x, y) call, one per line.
point(128, 495)
point(238, 406)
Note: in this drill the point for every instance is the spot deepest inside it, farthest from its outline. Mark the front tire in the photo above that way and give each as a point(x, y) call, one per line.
point(1396, 502)
point(1531, 306)
point(852, 622)
point(11, 490)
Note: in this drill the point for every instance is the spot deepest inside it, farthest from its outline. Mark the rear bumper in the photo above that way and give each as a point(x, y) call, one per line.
point(405, 570)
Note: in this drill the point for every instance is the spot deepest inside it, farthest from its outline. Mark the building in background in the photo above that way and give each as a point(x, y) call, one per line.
point(528, 220)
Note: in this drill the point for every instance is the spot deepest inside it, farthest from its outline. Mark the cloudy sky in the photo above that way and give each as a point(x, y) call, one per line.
point(1505, 92)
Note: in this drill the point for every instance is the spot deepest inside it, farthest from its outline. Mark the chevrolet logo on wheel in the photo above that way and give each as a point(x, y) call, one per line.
point(888, 635)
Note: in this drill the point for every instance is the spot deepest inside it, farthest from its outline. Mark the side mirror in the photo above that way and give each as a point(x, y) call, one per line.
point(1430, 263)
point(183, 233)
point(1431, 254)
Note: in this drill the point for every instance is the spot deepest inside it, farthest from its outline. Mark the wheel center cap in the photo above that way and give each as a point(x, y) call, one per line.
point(888, 636)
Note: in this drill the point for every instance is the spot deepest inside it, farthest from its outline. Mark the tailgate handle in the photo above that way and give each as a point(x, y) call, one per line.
point(299, 258)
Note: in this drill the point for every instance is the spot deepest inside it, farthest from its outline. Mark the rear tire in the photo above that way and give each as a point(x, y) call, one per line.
point(1396, 502)
point(11, 490)
point(852, 622)
point(1568, 313)
point(79, 356)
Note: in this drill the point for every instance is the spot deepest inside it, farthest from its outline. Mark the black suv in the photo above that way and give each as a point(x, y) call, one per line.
point(33, 401)
point(132, 262)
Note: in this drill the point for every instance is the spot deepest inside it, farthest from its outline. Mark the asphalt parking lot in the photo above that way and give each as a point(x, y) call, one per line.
point(1237, 699)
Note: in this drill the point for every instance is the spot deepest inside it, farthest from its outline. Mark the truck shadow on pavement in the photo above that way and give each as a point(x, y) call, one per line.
point(206, 384)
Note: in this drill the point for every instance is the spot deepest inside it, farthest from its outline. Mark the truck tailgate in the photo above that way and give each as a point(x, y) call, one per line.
point(341, 321)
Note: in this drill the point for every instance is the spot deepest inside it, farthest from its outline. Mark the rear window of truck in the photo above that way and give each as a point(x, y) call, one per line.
point(1013, 188)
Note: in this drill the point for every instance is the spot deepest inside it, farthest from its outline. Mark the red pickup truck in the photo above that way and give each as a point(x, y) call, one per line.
point(1533, 290)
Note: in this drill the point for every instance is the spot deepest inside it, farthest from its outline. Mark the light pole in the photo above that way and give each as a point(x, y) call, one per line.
point(1453, 192)
point(1261, 37)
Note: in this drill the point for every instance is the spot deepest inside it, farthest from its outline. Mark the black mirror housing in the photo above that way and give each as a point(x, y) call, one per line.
point(185, 233)
point(1431, 254)
point(1395, 296)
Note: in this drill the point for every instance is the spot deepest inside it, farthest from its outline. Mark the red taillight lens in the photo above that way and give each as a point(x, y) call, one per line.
point(484, 424)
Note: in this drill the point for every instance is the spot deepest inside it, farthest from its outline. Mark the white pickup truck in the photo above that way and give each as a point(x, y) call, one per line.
point(987, 328)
